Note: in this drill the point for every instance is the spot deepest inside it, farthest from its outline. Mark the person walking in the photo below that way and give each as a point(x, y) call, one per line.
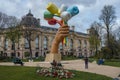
point(86, 62)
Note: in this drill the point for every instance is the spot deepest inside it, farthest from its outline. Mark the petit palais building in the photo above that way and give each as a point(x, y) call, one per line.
point(77, 45)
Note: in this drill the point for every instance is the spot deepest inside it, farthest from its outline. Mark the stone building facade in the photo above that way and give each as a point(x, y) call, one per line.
point(77, 45)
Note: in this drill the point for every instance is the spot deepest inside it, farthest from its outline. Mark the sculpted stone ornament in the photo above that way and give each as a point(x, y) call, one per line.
point(62, 32)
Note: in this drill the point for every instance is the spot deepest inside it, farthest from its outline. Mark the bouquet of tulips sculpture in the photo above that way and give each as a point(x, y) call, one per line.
point(65, 13)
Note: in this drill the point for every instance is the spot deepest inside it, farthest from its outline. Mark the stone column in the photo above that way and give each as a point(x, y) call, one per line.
point(82, 46)
point(33, 47)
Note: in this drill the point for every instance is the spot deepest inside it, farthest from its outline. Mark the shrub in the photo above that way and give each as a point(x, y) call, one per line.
point(5, 59)
point(27, 54)
point(107, 53)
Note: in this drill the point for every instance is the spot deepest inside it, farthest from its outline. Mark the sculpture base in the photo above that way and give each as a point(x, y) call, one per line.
point(50, 57)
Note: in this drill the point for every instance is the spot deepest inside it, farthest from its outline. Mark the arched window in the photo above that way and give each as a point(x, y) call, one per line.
point(71, 44)
point(36, 54)
point(60, 46)
point(26, 44)
point(85, 43)
point(5, 54)
point(13, 45)
point(6, 43)
point(37, 42)
point(18, 54)
point(12, 54)
point(45, 42)
point(0, 42)
point(51, 40)
point(18, 42)
point(79, 42)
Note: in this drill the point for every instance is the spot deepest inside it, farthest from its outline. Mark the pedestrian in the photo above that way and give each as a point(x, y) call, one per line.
point(86, 62)
point(100, 61)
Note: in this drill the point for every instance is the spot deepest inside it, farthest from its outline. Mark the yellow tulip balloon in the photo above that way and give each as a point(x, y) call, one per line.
point(53, 8)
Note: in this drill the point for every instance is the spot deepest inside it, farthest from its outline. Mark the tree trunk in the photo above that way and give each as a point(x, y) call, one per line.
point(108, 41)
point(96, 49)
point(29, 41)
point(109, 44)
point(14, 48)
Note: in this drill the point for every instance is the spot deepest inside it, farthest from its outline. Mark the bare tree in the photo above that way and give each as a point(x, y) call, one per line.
point(30, 33)
point(7, 27)
point(30, 27)
point(108, 18)
point(8, 21)
point(13, 33)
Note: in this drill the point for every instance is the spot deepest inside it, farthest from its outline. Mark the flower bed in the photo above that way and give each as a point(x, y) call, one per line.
point(56, 70)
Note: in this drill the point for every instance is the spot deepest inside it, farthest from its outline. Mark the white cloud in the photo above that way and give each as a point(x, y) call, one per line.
point(29, 5)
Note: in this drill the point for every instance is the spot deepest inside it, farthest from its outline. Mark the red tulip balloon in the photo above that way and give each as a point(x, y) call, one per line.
point(52, 21)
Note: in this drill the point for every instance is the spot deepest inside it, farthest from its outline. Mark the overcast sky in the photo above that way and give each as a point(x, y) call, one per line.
point(90, 10)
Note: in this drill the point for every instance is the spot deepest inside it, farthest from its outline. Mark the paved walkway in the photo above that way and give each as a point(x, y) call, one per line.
point(79, 65)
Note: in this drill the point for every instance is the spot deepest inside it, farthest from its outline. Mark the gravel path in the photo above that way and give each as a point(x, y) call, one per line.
point(77, 65)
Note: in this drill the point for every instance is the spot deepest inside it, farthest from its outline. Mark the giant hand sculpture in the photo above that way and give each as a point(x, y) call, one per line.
point(62, 32)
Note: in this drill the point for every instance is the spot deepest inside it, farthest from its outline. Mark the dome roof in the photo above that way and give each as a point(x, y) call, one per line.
point(29, 14)
point(29, 20)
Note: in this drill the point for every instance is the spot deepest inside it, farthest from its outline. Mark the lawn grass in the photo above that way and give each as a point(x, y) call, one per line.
point(69, 58)
point(115, 64)
point(109, 62)
point(40, 58)
point(29, 73)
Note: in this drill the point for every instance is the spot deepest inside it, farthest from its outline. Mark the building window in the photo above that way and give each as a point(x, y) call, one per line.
point(51, 40)
point(18, 42)
point(60, 46)
point(79, 42)
point(0, 42)
point(36, 54)
point(85, 43)
point(5, 54)
point(12, 54)
point(45, 42)
point(37, 42)
point(18, 54)
point(71, 44)
point(13, 46)
point(26, 44)
point(85, 52)
point(6, 44)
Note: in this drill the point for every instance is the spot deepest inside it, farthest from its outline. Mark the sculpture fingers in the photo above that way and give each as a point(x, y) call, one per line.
point(64, 35)
point(63, 29)
point(64, 32)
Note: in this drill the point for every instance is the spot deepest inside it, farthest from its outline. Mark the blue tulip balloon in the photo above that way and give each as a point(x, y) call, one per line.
point(73, 10)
